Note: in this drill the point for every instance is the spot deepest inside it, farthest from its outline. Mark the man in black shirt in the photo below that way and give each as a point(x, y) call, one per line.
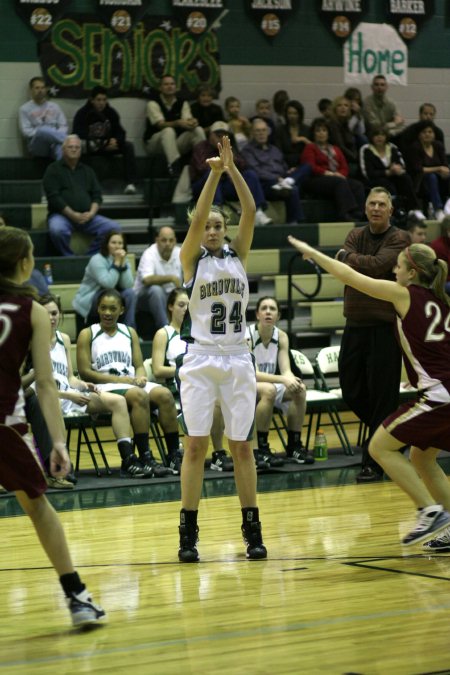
point(98, 126)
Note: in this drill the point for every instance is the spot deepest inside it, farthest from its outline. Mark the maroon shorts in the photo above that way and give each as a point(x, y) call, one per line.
point(20, 468)
point(423, 423)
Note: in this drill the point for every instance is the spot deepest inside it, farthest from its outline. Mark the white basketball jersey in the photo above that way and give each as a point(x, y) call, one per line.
point(266, 357)
point(218, 298)
point(112, 353)
point(60, 368)
point(174, 347)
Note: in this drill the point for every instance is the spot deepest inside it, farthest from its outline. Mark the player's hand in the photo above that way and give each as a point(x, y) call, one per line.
point(301, 246)
point(59, 460)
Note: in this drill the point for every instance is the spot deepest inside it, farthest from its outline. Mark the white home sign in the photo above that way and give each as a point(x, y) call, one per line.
point(375, 49)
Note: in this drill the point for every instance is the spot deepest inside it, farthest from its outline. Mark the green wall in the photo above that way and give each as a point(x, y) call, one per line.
point(303, 41)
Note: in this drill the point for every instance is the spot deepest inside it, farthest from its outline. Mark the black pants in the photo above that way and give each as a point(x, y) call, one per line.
point(369, 374)
point(39, 428)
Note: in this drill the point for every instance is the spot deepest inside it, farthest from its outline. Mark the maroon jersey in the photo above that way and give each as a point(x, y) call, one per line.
point(15, 336)
point(424, 335)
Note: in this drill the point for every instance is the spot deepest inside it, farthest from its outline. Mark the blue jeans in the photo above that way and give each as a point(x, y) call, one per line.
point(437, 189)
point(153, 299)
point(47, 142)
point(61, 229)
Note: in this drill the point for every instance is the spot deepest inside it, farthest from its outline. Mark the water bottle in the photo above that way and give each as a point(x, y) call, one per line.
point(320, 446)
point(48, 273)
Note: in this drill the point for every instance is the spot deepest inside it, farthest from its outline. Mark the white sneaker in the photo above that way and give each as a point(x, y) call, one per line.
point(418, 215)
point(447, 207)
point(130, 189)
point(439, 215)
point(261, 218)
point(428, 522)
point(84, 612)
point(277, 186)
point(287, 183)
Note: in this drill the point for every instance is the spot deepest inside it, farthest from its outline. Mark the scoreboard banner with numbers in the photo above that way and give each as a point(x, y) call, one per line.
point(271, 15)
point(198, 16)
point(41, 15)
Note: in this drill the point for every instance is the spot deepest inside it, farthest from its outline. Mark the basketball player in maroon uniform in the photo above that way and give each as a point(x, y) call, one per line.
point(423, 327)
point(24, 324)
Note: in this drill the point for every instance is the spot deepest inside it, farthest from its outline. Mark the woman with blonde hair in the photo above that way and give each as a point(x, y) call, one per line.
point(423, 327)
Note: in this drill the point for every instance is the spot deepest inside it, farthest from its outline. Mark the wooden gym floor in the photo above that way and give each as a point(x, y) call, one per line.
point(338, 593)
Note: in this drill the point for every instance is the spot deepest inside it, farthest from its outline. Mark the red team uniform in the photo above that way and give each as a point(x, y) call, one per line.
point(424, 336)
point(20, 468)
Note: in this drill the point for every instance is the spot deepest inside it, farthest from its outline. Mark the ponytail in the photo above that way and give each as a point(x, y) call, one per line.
point(431, 271)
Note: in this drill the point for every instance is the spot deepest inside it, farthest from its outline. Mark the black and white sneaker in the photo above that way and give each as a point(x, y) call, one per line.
point(440, 544)
point(153, 467)
point(84, 612)
point(266, 455)
point(299, 456)
point(175, 460)
point(430, 520)
point(132, 468)
point(220, 461)
point(252, 535)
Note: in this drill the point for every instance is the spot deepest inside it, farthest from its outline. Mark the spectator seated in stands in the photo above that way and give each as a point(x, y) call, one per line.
point(107, 269)
point(428, 165)
point(272, 170)
point(277, 386)
point(74, 197)
point(441, 246)
point(279, 102)
point(382, 163)
point(380, 111)
point(341, 134)
point(109, 355)
point(427, 113)
point(324, 106)
point(158, 273)
point(97, 123)
point(204, 110)
point(240, 126)
point(417, 231)
point(356, 122)
point(75, 395)
point(170, 125)
point(330, 174)
point(292, 136)
point(42, 122)
point(264, 112)
point(199, 172)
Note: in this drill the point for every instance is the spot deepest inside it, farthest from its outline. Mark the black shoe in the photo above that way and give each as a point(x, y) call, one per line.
point(368, 475)
point(267, 456)
point(260, 462)
point(155, 469)
point(188, 544)
point(175, 460)
point(71, 476)
point(299, 455)
point(252, 535)
point(175, 168)
point(220, 461)
point(132, 468)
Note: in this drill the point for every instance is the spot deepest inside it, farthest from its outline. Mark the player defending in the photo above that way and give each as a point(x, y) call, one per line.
point(422, 307)
point(25, 322)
